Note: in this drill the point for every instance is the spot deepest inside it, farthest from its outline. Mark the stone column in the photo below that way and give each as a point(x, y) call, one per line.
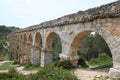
point(64, 57)
point(35, 56)
point(114, 72)
point(73, 59)
point(28, 53)
point(46, 56)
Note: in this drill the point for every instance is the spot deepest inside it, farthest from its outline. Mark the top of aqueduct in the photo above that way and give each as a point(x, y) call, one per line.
point(105, 11)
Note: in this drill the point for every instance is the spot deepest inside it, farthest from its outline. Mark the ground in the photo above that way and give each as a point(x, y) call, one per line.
point(81, 73)
point(88, 74)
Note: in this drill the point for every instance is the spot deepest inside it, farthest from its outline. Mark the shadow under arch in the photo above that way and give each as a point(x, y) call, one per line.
point(78, 40)
point(53, 43)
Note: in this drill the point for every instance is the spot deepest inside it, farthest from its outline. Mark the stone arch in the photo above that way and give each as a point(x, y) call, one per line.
point(38, 41)
point(29, 48)
point(36, 54)
point(30, 38)
point(76, 42)
point(50, 39)
point(49, 45)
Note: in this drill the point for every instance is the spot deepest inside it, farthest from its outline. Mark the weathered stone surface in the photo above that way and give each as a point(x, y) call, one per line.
point(35, 58)
point(114, 74)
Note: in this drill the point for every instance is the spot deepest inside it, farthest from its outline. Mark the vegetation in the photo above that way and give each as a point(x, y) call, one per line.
point(82, 62)
point(102, 61)
point(7, 66)
point(94, 51)
point(12, 75)
point(31, 67)
point(53, 73)
point(63, 64)
point(4, 31)
point(56, 47)
point(93, 45)
point(47, 73)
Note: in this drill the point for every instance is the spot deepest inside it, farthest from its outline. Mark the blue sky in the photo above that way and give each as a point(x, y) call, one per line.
point(24, 13)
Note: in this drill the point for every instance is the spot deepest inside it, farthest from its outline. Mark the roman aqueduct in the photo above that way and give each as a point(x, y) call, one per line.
point(71, 29)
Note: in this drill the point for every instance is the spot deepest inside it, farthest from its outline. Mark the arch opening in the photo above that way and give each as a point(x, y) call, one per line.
point(29, 47)
point(38, 41)
point(37, 52)
point(54, 43)
point(91, 47)
point(24, 43)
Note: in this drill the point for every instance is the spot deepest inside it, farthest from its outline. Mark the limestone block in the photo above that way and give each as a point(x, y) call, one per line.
point(35, 58)
point(114, 74)
point(63, 57)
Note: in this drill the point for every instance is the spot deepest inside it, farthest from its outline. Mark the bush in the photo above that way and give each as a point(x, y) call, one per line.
point(103, 61)
point(31, 67)
point(47, 73)
point(11, 75)
point(15, 62)
point(82, 62)
point(52, 73)
point(63, 64)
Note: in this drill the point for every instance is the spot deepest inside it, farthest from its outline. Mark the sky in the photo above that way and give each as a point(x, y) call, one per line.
point(24, 13)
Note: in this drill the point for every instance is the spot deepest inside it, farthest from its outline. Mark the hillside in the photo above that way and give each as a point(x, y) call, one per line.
point(4, 31)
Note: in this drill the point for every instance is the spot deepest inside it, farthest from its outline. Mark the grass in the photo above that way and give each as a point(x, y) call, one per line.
point(102, 61)
point(31, 67)
point(47, 73)
point(7, 65)
point(4, 67)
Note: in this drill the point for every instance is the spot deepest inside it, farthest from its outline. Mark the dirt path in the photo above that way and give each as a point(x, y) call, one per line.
point(2, 62)
point(87, 74)
point(24, 72)
point(19, 69)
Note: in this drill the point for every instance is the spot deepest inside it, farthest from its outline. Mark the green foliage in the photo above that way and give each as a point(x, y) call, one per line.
point(47, 73)
point(53, 73)
point(64, 64)
point(7, 66)
point(102, 61)
point(8, 63)
point(31, 67)
point(56, 47)
point(4, 67)
point(82, 62)
point(11, 75)
point(91, 45)
point(4, 31)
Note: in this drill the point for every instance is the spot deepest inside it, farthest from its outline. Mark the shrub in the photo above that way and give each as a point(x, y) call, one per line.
point(53, 73)
point(11, 75)
point(63, 64)
point(82, 62)
point(103, 61)
point(31, 67)
point(15, 62)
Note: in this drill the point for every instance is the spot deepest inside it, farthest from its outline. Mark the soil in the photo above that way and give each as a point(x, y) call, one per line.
point(88, 74)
